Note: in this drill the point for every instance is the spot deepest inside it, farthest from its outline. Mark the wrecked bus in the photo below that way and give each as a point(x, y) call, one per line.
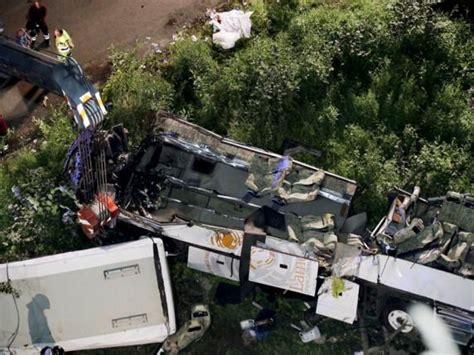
point(257, 217)
point(103, 297)
point(429, 247)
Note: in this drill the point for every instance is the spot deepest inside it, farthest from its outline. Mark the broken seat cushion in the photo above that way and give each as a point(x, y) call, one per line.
point(304, 189)
point(425, 237)
point(267, 174)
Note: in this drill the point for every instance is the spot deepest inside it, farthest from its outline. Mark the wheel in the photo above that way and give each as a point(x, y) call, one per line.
point(395, 315)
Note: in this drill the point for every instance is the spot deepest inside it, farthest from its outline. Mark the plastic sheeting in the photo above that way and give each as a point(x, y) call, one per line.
point(230, 26)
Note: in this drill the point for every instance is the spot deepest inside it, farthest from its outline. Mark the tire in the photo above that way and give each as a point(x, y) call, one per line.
point(394, 315)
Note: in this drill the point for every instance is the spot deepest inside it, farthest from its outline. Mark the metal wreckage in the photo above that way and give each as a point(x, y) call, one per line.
point(241, 213)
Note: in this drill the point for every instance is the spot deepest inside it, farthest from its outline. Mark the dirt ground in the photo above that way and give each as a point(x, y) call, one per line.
point(95, 26)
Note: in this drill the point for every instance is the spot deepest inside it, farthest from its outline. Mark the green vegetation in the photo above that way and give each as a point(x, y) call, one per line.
point(383, 88)
point(137, 91)
point(31, 201)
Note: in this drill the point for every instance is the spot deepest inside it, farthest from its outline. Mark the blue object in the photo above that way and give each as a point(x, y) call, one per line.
point(83, 140)
point(283, 164)
point(22, 40)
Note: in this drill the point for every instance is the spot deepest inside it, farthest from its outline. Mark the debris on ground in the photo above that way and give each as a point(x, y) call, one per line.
point(258, 329)
point(230, 26)
point(192, 331)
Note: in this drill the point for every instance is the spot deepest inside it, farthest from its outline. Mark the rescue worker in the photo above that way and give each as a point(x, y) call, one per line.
point(3, 134)
point(64, 44)
point(22, 38)
point(36, 22)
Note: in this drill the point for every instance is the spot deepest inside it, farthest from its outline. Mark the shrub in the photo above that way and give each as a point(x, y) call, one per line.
point(260, 86)
point(34, 196)
point(136, 91)
point(192, 71)
point(441, 167)
point(361, 156)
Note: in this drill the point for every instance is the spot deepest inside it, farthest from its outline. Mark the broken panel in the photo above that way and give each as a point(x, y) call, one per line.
point(213, 263)
point(225, 241)
point(426, 282)
point(288, 272)
point(349, 261)
point(338, 304)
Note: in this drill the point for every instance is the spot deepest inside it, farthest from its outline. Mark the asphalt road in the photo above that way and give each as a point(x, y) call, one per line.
point(95, 26)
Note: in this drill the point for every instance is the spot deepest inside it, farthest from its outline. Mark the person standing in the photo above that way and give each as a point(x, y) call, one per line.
point(64, 44)
point(36, 22)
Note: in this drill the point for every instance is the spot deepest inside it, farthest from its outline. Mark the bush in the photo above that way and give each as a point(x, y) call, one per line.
point(260, 85)
point(441, 167)
point(361, 156)
point(192, 71)
point(137, 92)
point(33, 197)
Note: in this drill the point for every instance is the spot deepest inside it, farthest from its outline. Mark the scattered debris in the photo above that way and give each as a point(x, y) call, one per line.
point(255, 217)
point(56, 350)
point(308, 333)
point(247, 230)
point(437, 232)
point(69, 217)
point(16, 191)
point(156, 48)
point(258, 329)
point(193, 330)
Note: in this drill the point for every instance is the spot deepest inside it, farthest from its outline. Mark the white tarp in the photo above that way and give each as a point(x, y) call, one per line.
point(284, 271)
point(230, 26)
